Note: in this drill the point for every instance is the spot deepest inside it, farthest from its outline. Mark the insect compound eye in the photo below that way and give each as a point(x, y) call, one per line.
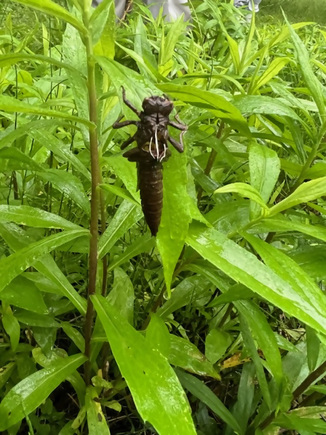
point(156, 104)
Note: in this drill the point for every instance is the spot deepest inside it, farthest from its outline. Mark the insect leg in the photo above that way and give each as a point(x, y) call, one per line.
point(118, 124)
point(133, 155)
point(128, 103)
point(128, 142)
point(178, 125)
point(177, 145)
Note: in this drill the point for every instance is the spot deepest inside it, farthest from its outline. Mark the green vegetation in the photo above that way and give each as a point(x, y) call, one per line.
point(296, 10)
point(218, 325)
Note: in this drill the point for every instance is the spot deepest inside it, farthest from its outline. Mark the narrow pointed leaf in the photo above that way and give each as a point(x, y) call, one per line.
point(126, 216)
point(13, 105)
point(205, 395)
point(216, 104)
point(156, 391)
point(33, 217)
point(308, 191)
point(31, 392)
point(51, 8)
point(175, 215)
point(95, 418)
point(244, 190)
point(244, 267)
point(16, 263)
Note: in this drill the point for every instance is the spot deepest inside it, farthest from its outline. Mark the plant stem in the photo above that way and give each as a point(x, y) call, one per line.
point(103, 228)
point(95, 173)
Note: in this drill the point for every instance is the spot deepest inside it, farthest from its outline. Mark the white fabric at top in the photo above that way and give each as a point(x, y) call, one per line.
point(172, 9)
point(248, 3)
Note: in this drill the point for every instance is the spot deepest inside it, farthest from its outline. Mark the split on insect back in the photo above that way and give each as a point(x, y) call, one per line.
point(152, 150)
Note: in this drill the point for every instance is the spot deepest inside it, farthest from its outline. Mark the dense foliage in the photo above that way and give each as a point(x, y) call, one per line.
point(217, 325)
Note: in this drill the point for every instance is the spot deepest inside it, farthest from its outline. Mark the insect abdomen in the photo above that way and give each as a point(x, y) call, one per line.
point(150, 183)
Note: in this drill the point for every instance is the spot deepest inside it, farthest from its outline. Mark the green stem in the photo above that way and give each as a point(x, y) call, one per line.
point(103, 228)
point(95, 174)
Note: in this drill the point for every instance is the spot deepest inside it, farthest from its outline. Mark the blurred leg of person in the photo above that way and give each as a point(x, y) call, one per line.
point(248, 3)
point(172, 9)
point(120, 6)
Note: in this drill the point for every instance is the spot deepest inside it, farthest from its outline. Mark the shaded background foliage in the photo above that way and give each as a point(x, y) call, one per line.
point(245, 325)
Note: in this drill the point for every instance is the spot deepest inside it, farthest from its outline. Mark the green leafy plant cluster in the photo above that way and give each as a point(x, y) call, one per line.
point(296, 10)
point(218, 325)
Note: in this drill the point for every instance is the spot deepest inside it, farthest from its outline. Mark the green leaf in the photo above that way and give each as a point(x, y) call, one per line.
point(134, 83)
point(118, 191)
point(13, 105)
point(175, 214)
point(74, 335)
point(58, 354)
point(95, 418)
point(55, 10)
point(126, 216)
point(100, 16)
point(168, 43)
point(264, 337)
point(126, 171)
point(265, 168)
point(12, 159)
point(155, 389)
point(148, 72)
point(34, 217)
point(308, 191)
point(122, 297)
point(13, 58)
point(28, 394)
point(244, 267)
point(49, 268)
point(23, 293)
point(283, 224)
point(6, 372)
point(205, 395)
point(157, 335)
point(276, 65)
point(251, 348)
point(186, 355)
point(246, 393)
point(244, 190)
point(306, 290)
point(74, 53)
point(106, 44)
point(16, 263)
point(311, 81)
point(69, 185)
point(252, 104)
point(11, 327)
point(34, 319)
point(210, 101)
point(59, 149)
point(9, 136)
point(313, 348)
point(216, 344)
point(235, 293)
point(139, 245)
point(17, 238)
point(142, 46)
point(310, 419)
point(190, 289)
